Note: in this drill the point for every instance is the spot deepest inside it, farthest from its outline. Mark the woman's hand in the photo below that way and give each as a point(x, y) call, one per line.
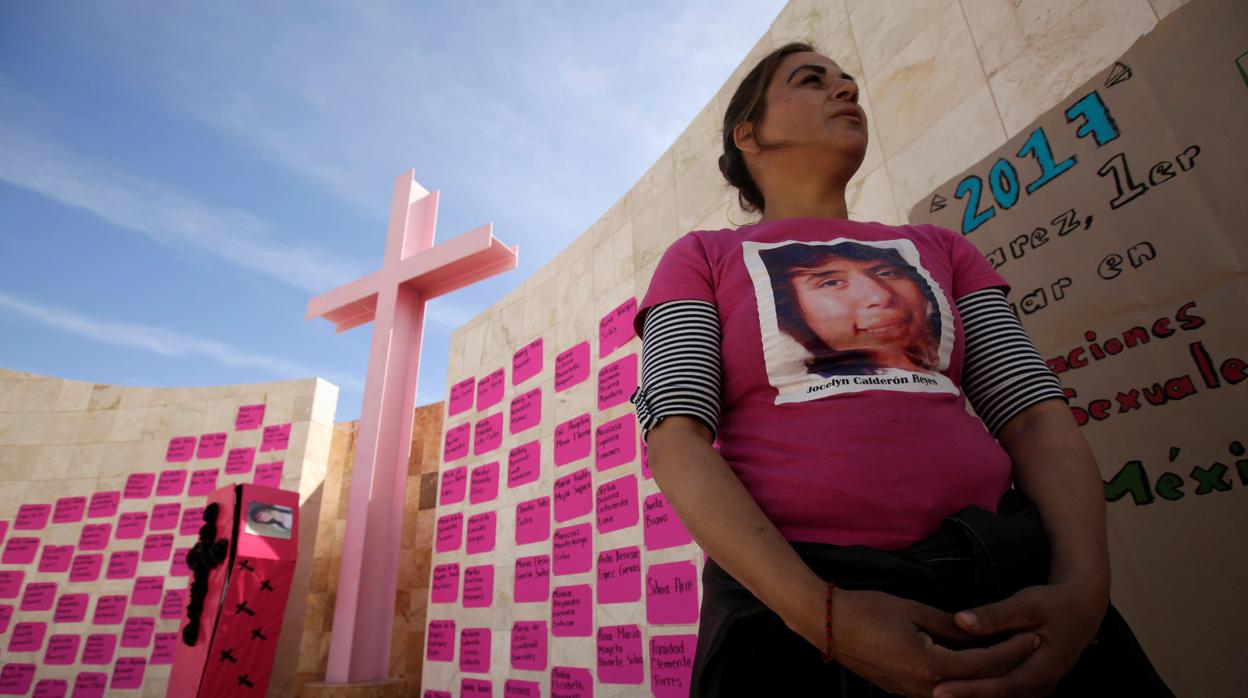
point(1065, 618)
point(890, 642)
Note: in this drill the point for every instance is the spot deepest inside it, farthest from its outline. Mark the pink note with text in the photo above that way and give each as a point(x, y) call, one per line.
point(533, 520)
point(490, 390)
point(663, 528)
point(572, 440)
point(615, 442)
point(526, 362)
point(619, 655)
point(524, 463)
point(619, 575)
point(460, 399)
point(572, 549)
point(572, 367)
point(672, 593)
point(525, 412)
point(249, 417)
point(532, 579)
point(211, 445)
point(573, 495)
point(276, 437)
point(571, 611)
point(617, 381)
point(454, 485)
point(616, 327)
point(445, 584)
point(487, 434)
point(480, 536)
point(478, 586)
point(529, 645)
point(180, 449)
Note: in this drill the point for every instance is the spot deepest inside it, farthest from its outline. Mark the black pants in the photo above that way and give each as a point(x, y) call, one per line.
point(977, 557)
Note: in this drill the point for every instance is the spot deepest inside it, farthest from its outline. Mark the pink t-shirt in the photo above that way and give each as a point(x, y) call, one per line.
point(842, 352)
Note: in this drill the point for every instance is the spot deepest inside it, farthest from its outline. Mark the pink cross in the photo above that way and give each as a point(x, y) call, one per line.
point(412, 272)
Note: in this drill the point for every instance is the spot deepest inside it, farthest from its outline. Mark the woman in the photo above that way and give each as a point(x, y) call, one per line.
point(862, 533)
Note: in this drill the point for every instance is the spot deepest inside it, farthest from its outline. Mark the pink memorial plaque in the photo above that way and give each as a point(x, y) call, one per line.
point(147, 591)
point(268, 474)
point(619, 575)
point(128, 672)
point(671, 664)
point(69, 510)
point(62, 649)
point(615, 505)
point(461, 396)
point(131, 525)
point(249, 417)
point(109, 610)
point(483, 484)
point(90, 684)
point(11, 583)
point(239, 461)
point(573, 495)
point(487, 434)
point(177, 566)
point(480, 533)
point(440, 641)
point(454, 484)
point(619, 654)
point(171, 483)
point(137, 632)
point(103, 505)
point(27, 636)
point(572, 367)
point(475, 688)
point(478, 586)
point(450, 533)
point(32, 517)
point(139, 486)
point(529, 645)
point(211, 446)
point(20, 550)
point(616, 328)
point(55, 558)
point(571, 682)
point(95, 536)
point(181, 449)
point(275, 438)
point(615, 442)
point(663, 527)
point(38, 596)
point(533, 520)
point(98, 649)
point(526, 362)
point(456, 444)
point(524, 463)
point(51, 688)
point(203, 482)
point(617, 381)
point(571, 611)
point(157, 547)
point(671, 593)
point(572, 550)
point(173, 604)
point(85, 567)
point(532, 579)
point(165, 516)
point(445, 588)
point(572, 440)
point(71, 608)
point(490, 390)
point(525, 412)
point(192, 519)
point(162, 648)
point(15, 679)
point(6, 614)
point(474, 650)
point(122, 564)
point(515, 688)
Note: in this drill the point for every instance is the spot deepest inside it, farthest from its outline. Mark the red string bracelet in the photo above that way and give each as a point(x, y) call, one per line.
point(827, 652)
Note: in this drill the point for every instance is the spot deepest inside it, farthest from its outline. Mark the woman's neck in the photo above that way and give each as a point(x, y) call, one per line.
point(806, 198)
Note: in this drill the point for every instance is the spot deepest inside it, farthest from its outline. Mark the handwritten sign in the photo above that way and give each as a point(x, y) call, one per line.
point(276, 437)
point(211, 445)
point(524, 463)
point(90, 684)
point(616, 328)
point(478, 586)
point(147, 591)
point(110, 609)
point(571, 611)
point(249, 417)
point(454, 485)
point(571, 549)
point(533, 520)
point(157, 547)
point(532, 579)
point(572, 367)
point(450, 533)
point(103, 505)
point(15, 679)
point(573, 495)
point(171, 483)
point(32, 517)
point(128, 673)
point(455, 445)
point(480, 533)
point(85, 567)
point(165, 516)
point(69, 510)
point(55, 558)
point(177, 565)
point(181, 449)
point(38, 596)
point(529, 645)
point(487, 434)
point(615, 442)
point(70, 608)
point(445, 587)
point(192, 519)
point(460, 399)
point(663, 528)
point(122, 564)
point(131, 525)
point(617, 381)
point(671, 664)
point(475, 688)
point(619, 655)
point(203, 482)
point(139, 485)
point(268, 474)
point(515, 688)
point(671, 594)
point(526, 362)
point(27, 636)
point(19, 550)
point(572, 440)
point(525, 411)
point(490, 390)
point(99, 649)
point(619, 575)
point(62, 649)
point(137, 632)
point(239, 461)
point(50, 688)
point(163, 647)
point(11, 583)
point(483, 485)
point(171, 606)
point(616, 504)
point(440, 641)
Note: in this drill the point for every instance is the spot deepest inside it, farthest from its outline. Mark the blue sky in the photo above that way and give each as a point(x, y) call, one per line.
point(178, 179)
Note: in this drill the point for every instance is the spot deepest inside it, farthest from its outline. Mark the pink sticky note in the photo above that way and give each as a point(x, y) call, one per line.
point(70, 608)
point(69, 510)
point(173, 604)
point(203, 482)
point(671, 664)
point(474, 650)
point(19, 550)
point(27, 636)
point(62, 649)
point(616, 328)
point(239, 461)
point(90, 684)
point(478, 586)
point(94, 536)
point(617, 381)
point(615, 442)
point(525, 411)
point(50, 688)
point(572, 440)
point(487, 434)
point(137, 632)
point(276, 437)
point(480, 533)
point(572, 549)
point(249, 417)
point(162, 648)
point(211, 445)
point(131, 525)
point(32, 517)
point(524, 463)
point(6, 614)
point(461, 396)
point(55, 558)
point(15, 679)
point(157, 547)
point(38, 596)
point(165, 516)
point(571, 611)
point(268, 474)
point(515, 688)
point(171, 483)
point(533, 520)
point(128, 672)
point(619, 575)
point(619, 654)
point(147, 591)
point(450, 533)
point(571, 367)
point(573, 495)
point(177, 566)
point(445, 587)
point(663, 527)
point(455, 444)
point(454, 483)
point(192, 519)
point(11, 583)
point(532, 579)
point(98, 649)
point(139, 485)
point(440, 641)
point(529, 645)
point(103, 505)
point(181, 449)
point(109, 610)
point(475, 688)
point(490, 390)
point(671, 593)
point(483, 484)
point(615, 504)
point(526, 362)
point(122, 564)
point(85, 567)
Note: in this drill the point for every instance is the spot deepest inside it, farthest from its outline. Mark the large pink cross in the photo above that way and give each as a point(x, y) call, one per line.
point(394, 297)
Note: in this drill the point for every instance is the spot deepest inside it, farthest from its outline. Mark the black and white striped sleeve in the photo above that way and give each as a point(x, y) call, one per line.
point(1003, 373)
point(681, 368)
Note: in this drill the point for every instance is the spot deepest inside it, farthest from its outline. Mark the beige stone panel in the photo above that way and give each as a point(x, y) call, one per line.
point(575, 284)
point(654, 225)
point(807, 20)
point(31, 395)
point(619, 214)
point(324, 402)
point(1084, 43)
point(871, 199)
point(72, 396)
point(924, 81)
point(17, 463)
point(58, 463)
point(574, 329)
point(134, 398)
point(106, 397)
point(1004, 29)
point(884, 29)
point(875, 152)
point(702, 136)
point(474, 340)
point(24, 428)
point(188, 419)
point(63, 428)
point(97, 426)
point(128, 424)
point(1165, 7)
point(541, 307)
point(613, 258)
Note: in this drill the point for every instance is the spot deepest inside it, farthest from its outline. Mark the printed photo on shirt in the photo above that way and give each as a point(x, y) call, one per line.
point(844, 316)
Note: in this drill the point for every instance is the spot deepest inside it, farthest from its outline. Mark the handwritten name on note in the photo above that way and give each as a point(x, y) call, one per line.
point(616, 504)
point(533, 521)
point(615, 442)
point(572, 440)
point(249, 417)
point(671, 594)
point(529, 644)
point(619, 575)
point(671, 664)
point(616, 328)
point(571, 611)
point(440, 641)
point(487, 434)
point(474, 650)
point(525, 411)
point(454, 485)
point(490, 390)
point(445, 587)
point(532, 579)
point(524, 463)
point(450, 533)
point(572, 549)
point(663, 528)
point(483, 484)
point(573, 495)
point(478, 586)
point(480, 533)
point(526, 362)
point(619, 655)
point(617, 381)
point(461, 396)
point(455, 445)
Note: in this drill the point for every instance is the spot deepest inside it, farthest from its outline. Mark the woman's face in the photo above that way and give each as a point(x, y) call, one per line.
point(812, 102)
point(861, 304)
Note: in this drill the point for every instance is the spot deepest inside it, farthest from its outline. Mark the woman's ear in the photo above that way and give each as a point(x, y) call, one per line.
point(743, 137)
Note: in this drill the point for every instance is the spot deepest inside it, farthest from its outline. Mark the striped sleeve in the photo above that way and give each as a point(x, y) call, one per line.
point(680, 364)
point(1003, 373)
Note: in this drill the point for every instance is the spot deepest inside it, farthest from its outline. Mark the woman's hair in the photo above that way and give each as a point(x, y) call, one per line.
point(747, 105)
point(785, 262)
